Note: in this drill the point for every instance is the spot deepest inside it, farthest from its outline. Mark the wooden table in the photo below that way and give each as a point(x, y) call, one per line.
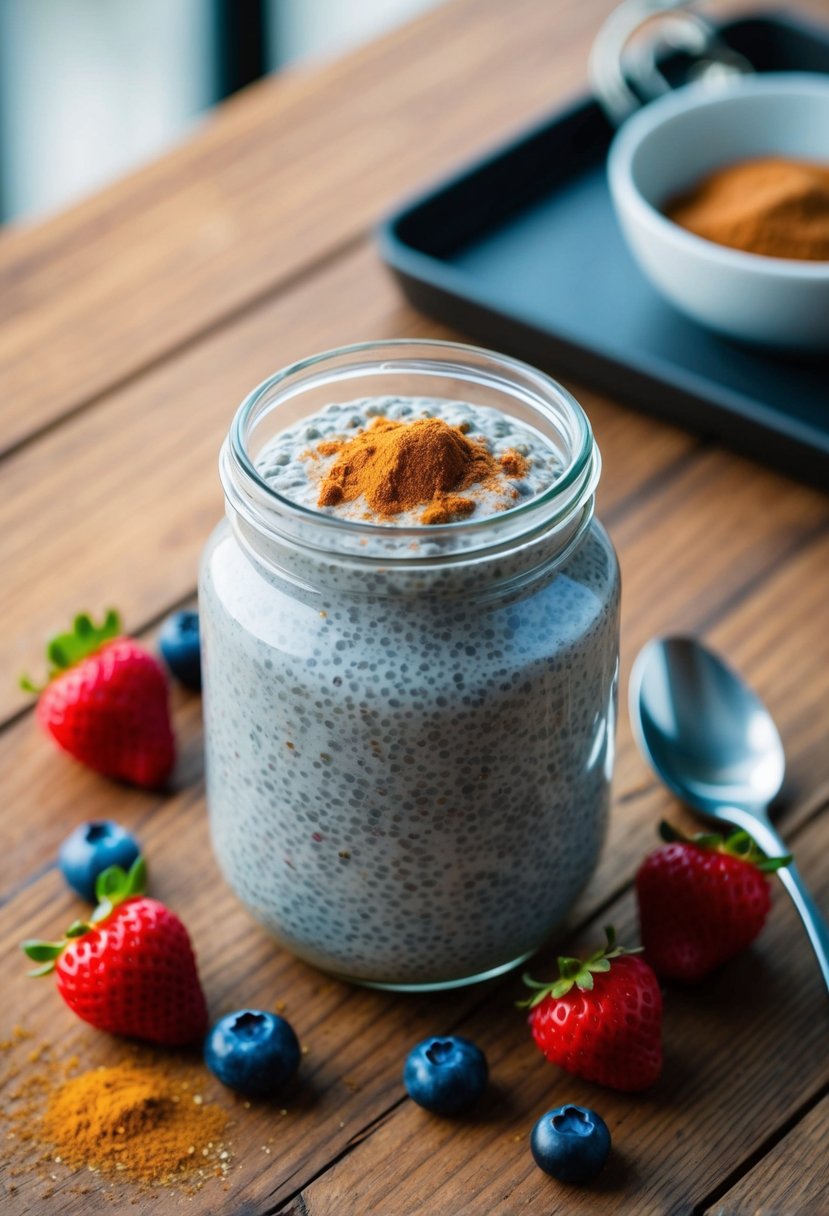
point(131, 327)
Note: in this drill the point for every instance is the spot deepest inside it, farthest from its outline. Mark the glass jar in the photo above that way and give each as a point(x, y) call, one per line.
point(409, 730)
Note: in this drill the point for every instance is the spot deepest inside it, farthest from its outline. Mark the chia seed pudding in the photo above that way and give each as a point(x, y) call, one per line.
point(289, 466)
point(409, 729)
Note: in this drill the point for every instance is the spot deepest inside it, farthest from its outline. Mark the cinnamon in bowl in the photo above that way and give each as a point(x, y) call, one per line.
point(711, 247)
point(774, 206)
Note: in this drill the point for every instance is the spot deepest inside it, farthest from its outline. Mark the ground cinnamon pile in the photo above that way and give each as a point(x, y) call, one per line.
point(399, 466)
point(134, 1121)
point(145, 1119)
point(771, 206)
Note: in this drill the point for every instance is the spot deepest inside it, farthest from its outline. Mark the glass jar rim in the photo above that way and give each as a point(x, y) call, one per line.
point(545, 389)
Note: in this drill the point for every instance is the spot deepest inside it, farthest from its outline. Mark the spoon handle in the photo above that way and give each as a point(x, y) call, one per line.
point(770, 841)
point(810, 914)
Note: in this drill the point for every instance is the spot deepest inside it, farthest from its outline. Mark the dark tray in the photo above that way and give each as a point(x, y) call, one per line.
point(522, 252)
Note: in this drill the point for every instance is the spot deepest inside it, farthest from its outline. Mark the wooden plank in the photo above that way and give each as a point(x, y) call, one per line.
point(731, 1076)
point(706, 541)
point(793, 1177)
point(131, 485)
point(177, 828)
point(274, 181)
point(38, 775)
point(780, 636)
point(723, 1091)
point(347, 1082)
point(674, 1144)
point(775, 636)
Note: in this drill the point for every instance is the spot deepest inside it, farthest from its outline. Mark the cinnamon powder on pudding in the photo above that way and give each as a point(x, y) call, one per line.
point(770, 206)
point(398, 466)
point(514, 464)
point(446, 508)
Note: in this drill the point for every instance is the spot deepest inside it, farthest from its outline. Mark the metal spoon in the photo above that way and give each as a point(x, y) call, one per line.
point(714, 744)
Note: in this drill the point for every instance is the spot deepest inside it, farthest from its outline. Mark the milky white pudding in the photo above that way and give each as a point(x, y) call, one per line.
point(409, 728)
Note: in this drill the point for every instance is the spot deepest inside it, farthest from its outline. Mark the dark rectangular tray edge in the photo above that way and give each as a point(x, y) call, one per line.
point(734, 423)
point(437, 291)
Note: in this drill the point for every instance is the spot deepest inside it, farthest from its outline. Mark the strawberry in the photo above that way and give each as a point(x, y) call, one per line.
point(106, 703)
point(601, 1019)
point(702, 901)
point(131, 970)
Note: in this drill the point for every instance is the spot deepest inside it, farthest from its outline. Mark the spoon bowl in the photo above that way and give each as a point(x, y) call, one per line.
point(706, 733)
point(713, 742)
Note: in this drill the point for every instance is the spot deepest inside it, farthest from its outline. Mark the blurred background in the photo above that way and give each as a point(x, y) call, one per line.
point(91, 88)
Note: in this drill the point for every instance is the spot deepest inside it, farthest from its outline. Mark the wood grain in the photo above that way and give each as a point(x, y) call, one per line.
point(707, 1113)
point(351, 1077)
point(789, 668)
point(273, 183)
point(131, 327)
point(783, 654)
point(793, 1177)
point(134, 479)
point(276, 180)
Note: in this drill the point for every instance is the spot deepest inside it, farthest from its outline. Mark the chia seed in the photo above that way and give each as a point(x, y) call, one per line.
point(423, 802)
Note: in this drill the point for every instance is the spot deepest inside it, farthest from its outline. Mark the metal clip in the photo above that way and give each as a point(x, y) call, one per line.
point(624, 78)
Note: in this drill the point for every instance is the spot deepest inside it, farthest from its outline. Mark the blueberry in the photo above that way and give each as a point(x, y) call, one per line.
point(253, 1052)
point(91, 848)
point(178, 642)
point(445, 1075)
point(571, 1143)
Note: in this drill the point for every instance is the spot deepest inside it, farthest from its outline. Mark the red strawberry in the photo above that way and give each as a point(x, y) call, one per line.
point(106, 703)
point(702, 901)
point(131, 970)
point(601, 1019)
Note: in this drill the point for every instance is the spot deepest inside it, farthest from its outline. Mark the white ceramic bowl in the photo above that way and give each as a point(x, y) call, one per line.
point(667, 147)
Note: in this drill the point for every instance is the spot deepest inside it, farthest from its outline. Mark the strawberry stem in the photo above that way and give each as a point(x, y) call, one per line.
point(115, 885)
point(66, 650)
point(112, 887)
point(576, 972)
point(45, 953)
point(78, 928)
point(738, 843)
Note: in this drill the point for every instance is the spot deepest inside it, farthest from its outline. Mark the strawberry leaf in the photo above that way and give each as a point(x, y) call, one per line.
point(769, 865)
point(104, 909)
point(85, 638)
point(45, 953)
point(110, 883)
point(41, 952)
point(59, 652)
point(528, 980)
point(84, 629)
point(136, 877)
point(68, 649)
point(739, 843)
point(115, 885)
point(576, 972)
point(78, 928)
point(46, 969)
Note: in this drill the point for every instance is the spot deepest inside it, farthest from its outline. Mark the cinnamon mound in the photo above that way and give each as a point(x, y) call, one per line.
point(135, 1120)
point(770, 206)
point(398, 466)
